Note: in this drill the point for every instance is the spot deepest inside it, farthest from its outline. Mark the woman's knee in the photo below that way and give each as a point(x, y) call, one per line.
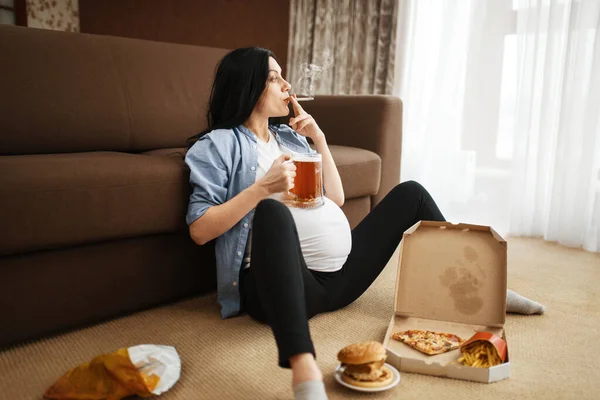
point(270, 207)
point(273, 212)
point(410, 187)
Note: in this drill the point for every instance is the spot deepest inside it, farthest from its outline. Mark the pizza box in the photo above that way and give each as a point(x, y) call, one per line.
point(451, 278)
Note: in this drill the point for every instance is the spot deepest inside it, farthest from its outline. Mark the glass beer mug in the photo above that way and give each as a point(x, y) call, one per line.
point(308, 183)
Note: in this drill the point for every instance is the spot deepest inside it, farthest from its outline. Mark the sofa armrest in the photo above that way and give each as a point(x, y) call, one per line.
point(370, 122)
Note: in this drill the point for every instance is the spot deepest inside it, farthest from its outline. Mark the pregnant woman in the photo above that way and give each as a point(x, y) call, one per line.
point(283, 265)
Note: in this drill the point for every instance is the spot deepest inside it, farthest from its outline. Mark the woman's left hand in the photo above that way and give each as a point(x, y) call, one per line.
point(304, 123)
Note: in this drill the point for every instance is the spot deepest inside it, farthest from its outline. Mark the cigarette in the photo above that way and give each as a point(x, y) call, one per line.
point(305, 98)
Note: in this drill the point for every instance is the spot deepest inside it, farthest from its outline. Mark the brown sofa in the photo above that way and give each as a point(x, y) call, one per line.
point(93, 187)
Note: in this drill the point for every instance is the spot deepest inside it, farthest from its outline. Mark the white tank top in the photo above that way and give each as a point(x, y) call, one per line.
point(324, 232)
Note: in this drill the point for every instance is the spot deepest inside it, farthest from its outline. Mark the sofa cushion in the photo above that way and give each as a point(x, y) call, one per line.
point(359, 169)
point(63, 92)
point(59, 200)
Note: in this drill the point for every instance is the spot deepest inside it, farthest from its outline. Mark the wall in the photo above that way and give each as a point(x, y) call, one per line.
point(60, 15)
point(215, 23)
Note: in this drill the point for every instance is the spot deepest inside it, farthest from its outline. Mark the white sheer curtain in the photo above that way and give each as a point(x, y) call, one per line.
point(502, 112)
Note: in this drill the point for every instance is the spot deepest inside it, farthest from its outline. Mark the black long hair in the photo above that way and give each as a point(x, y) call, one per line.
point(240, 79)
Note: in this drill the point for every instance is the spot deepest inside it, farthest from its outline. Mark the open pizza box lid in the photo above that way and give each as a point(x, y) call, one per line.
point(451, 278)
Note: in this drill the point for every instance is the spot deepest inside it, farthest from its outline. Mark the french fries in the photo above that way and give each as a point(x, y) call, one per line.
point(480, 354)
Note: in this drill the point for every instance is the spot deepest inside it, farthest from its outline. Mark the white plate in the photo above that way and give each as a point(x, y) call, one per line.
point(338, 377)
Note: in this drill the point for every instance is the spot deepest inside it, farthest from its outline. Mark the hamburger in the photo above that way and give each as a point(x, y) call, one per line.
point(365, 365)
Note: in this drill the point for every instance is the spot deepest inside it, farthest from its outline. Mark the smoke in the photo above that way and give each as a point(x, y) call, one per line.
point(310, 73)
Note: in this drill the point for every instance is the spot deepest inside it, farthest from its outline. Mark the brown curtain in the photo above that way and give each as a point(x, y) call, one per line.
point(358, 35)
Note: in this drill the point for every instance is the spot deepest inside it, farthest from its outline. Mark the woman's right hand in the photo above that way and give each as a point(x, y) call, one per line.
point(280, 177)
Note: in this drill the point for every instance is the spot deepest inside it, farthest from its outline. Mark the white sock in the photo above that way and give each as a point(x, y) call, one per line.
point(515, 303)
point(310, 390)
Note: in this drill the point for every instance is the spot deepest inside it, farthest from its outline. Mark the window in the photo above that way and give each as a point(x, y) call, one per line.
point(511, 61)
point(13, 12)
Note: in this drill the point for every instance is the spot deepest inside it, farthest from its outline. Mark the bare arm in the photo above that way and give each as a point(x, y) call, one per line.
point(220, 218)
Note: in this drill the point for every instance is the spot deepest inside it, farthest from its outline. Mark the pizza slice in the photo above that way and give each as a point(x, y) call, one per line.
point(429, 342)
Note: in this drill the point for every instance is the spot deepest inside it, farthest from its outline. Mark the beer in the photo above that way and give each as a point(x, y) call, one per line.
point(308, 183)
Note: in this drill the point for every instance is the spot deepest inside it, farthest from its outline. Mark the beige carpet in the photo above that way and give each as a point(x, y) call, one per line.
point(555, 356)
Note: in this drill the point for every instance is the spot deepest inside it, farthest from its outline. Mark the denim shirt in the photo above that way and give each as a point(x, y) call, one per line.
point(222, 164)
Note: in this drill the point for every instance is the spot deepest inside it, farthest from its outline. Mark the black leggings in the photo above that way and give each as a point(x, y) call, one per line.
point(280, 290)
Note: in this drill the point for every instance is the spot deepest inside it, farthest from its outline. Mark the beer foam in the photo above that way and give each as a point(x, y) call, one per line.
point(306, 158)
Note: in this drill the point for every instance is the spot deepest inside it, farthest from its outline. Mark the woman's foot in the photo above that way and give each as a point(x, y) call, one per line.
point(310, 390)
point(515, 303)
point(307, 379)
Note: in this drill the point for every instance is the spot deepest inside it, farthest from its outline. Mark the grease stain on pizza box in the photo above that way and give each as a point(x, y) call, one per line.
point(451, 278)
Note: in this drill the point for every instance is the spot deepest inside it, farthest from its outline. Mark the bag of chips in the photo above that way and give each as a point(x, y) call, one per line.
point(144, 370)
